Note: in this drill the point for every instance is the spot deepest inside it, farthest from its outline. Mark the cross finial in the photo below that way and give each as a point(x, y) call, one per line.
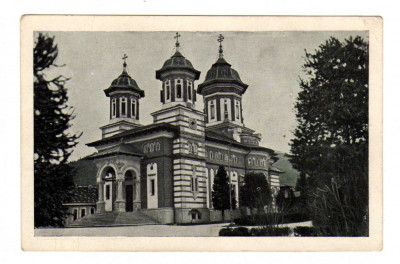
point(220, 39)
point(124, 58)
point(177, 36)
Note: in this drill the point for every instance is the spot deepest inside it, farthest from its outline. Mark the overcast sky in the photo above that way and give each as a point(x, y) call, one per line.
point(269, 62)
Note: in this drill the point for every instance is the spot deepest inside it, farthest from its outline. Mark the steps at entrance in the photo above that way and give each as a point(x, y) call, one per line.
point(108, 219)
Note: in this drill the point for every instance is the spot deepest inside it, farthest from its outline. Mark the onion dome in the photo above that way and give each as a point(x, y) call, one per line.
point(178, 62)
point(124, 82)
point(221, 72)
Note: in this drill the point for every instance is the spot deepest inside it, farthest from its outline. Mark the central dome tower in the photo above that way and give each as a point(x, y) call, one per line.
point(177, 76)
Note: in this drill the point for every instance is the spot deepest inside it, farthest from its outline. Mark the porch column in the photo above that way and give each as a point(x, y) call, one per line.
point(137, 202)
point(120, 202)
point(100, 203)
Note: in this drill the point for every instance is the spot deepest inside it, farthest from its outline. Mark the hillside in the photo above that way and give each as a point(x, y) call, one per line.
point(290, 175)
point(84, 172)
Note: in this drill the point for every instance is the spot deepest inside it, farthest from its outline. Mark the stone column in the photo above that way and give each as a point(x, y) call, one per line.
point(100, 203)
point(137, 202)
point(120, 202)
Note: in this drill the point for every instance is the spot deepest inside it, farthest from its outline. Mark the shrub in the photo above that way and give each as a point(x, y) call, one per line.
point(270, 219)
point(240, 231)
point(271, 231)
point(305, 231)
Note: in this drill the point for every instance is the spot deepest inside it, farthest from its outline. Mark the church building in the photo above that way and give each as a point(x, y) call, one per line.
point(166, 169)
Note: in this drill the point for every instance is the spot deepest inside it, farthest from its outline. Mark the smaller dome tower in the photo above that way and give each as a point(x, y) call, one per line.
point(222, 91)
point(124, 94)
point(177, 76)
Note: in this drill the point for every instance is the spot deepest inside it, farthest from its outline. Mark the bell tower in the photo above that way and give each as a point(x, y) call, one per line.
point(222, 91)
point(124, 94)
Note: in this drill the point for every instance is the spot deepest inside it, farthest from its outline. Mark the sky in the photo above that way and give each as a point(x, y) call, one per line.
point(269, 62)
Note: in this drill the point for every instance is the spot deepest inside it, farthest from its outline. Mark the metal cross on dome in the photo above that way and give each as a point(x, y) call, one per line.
point(220, 39)
point(124, 58)
point(177, 35)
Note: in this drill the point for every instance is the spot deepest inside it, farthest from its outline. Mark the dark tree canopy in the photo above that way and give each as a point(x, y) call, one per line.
point(220, 193)
point(255, 192)
point(330, 146)
point(52, 142)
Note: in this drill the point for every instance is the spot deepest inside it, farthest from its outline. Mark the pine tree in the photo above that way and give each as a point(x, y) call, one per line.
point(255, 192)
point(330, 147)
point(220, 193)
point(52, 142)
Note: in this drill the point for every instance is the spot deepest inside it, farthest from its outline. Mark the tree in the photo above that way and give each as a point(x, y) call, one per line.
point(331, 139)
point(285, 199)
point(255, 192)
point(220, 193)
point(52, 142)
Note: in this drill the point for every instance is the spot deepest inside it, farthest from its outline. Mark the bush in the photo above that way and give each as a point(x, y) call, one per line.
point(271, 231)
point(240, 231)
point(305, 231)
point(270, 219)
point(243, 231)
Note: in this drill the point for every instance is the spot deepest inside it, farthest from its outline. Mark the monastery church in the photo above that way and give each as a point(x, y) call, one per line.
point(164, 171)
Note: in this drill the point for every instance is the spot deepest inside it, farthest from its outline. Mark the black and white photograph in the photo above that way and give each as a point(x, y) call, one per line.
point(202, 133)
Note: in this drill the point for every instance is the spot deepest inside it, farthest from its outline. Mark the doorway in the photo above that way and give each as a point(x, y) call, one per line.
point(129, 198)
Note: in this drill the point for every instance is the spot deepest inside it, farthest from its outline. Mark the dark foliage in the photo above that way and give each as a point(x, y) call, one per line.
point(330, 147)
point(285, 199)
point(305, 231)
point(243, 231)
point(52, 143)
point(270, 219)
point(220, 193)
point(255, 192)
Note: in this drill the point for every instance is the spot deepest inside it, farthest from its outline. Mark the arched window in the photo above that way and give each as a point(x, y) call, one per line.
point(114, 107)
point(133, 107)
point(226, 109)
point(151, 147)
point(237, 109)
point(178, 88)
point(167, 90)
point(250, 161)
point(123, 107)
point(189, 89)
point(158, 146)
point(194, 181)
point(190, 147)
point(212, 109)
point(194, 148)
point(211, 155)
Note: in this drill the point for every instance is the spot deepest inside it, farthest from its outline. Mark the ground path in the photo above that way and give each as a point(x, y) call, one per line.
point(209, 230)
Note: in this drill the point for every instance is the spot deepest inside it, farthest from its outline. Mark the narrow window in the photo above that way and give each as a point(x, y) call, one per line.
point(114, 107)
point(237, 109)
point(107, 192)
point(123, 106)
point(152, 187)
point(212, 110)
point(167, 89)
point(91, 210)
point(133, 107)
point(189, 87)
point(178, 88)
point(225, 109)
point(75, 214)
point(83, 213)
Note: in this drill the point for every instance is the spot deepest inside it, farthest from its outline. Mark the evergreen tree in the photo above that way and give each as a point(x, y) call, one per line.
point(220, 193)
point(255, 192)
point(52, 143)
point(330, 147)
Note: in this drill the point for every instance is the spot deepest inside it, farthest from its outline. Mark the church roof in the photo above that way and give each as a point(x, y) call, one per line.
point(82, 194)
point(178, 62)
point(221, 72)
point(221, 138)
point(135, 132)
point(124, 82)
point(121, 149)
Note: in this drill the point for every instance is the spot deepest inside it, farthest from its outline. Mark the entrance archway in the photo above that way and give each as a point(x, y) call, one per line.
point(132, 191)
point(109, 188)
